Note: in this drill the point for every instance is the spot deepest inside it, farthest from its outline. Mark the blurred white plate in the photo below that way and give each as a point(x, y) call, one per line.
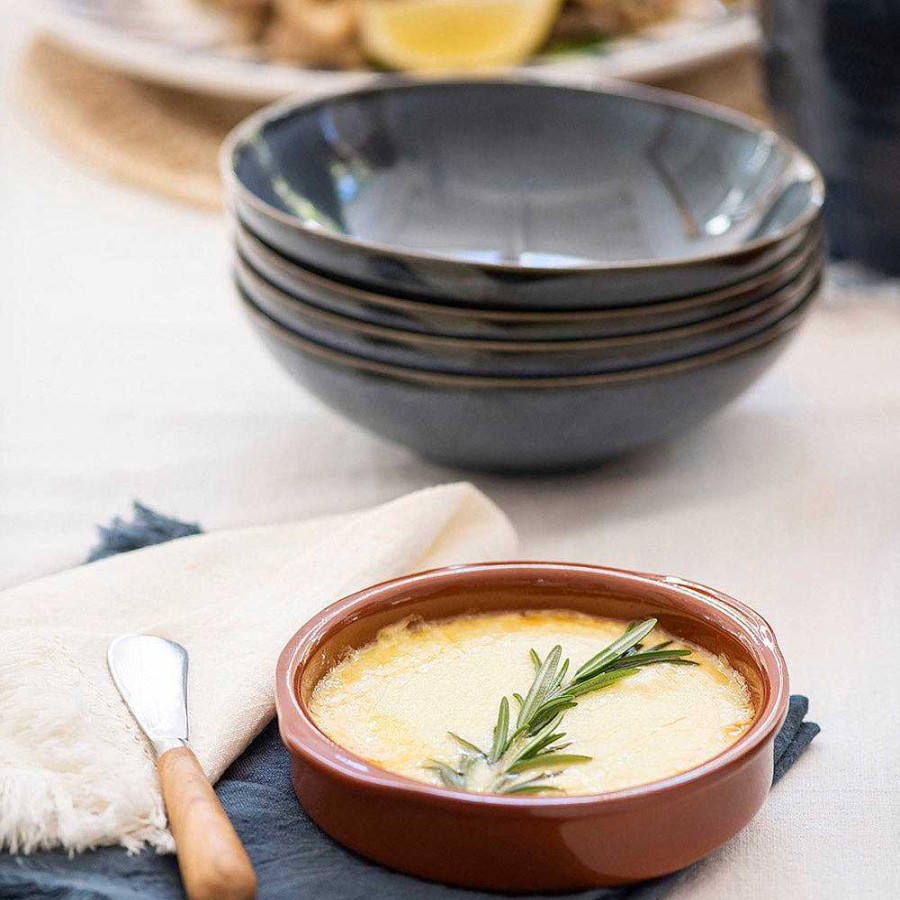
point(183, 44)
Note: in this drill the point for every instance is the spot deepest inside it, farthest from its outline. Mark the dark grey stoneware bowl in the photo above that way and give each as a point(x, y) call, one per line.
point(525, 425)
point(521, 195)
point(310, 288)
point(473, 356)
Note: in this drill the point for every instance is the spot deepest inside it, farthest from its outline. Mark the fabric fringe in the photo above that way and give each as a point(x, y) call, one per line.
point(44, 801)
point(148, 527)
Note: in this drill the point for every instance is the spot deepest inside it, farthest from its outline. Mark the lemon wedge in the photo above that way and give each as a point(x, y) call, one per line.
point(441, 35)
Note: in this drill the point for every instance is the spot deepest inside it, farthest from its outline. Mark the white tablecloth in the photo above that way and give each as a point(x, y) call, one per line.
point(127, 371)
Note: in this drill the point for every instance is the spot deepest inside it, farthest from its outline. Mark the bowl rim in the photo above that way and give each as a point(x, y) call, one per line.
point(303, 737)
point(653, 96)
point(783, 326)
point(794, 259)
point(787, 295)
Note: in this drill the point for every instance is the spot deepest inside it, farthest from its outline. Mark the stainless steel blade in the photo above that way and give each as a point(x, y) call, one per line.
point(151, 675)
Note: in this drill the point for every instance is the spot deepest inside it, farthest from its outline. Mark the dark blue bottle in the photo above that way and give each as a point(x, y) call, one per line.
point(833, 79)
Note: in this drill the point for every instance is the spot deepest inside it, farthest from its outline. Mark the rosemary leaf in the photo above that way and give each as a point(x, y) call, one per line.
point(547, 761)
point(534, 789)
point(560, 676)
point(540, 743)
point(551, 710)
point(634, 634)
point(513, 784)
point(448, 775)
point(501, 732)
point(599, 681)
point(544, 678)
point(547, 735)
point(647, 657)
point(468, 745)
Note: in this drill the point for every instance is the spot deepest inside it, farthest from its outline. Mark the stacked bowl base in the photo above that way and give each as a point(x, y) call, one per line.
point(509, 276)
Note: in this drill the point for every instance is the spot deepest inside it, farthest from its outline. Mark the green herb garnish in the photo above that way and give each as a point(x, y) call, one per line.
point(578, 45)
point(527, 751)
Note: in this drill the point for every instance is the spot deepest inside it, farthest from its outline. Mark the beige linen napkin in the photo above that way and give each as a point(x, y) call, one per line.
point(74, 770)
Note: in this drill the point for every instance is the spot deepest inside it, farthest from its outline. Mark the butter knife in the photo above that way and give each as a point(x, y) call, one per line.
point(151, 675)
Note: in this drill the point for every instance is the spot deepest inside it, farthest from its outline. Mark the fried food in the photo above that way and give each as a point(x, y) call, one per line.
point(326, 33)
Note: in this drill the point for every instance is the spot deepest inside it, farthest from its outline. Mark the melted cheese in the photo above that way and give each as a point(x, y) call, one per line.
point(394, 701)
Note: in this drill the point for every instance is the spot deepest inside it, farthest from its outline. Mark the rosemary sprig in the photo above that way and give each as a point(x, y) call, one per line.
point(527, 752)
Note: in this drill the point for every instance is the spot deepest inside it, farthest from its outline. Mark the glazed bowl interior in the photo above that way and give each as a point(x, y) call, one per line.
point(523, 176)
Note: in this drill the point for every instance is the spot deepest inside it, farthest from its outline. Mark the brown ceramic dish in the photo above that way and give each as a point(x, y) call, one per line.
point(569, 843)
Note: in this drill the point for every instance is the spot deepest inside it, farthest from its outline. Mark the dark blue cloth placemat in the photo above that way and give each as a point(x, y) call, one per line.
point(292, 857)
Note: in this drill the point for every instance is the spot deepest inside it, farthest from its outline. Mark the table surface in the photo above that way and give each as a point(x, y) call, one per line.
point(128, 372)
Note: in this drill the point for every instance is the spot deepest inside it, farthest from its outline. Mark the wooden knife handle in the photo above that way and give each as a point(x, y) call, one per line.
point(214, 864)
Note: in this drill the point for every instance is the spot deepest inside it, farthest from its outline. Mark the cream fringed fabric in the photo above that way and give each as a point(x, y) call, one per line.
point(74, 770)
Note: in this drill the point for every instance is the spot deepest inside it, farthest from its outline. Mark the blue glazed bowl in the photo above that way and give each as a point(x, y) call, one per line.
point(526, 359)
point(517, 425)
point(312, 289)
point(521, 195)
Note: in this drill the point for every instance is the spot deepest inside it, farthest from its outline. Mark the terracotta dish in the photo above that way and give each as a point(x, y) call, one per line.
point(537, 843)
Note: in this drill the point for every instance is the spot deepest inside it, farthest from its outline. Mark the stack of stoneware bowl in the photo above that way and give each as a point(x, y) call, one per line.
point(512, 276)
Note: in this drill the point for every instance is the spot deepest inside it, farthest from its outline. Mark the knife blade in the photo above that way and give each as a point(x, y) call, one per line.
point(151, 674)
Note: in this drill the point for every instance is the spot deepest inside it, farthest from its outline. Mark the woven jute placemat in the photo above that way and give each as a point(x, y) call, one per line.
point(167, 141)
